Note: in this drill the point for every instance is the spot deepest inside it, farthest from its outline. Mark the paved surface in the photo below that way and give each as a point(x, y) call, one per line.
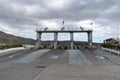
point(75, 72)
point(32, 56)
point(19, 71)
point(12, 56)
point(54, 65)
point(28, 71)
point(110, 58)
point(54, 57)
point(77, 57)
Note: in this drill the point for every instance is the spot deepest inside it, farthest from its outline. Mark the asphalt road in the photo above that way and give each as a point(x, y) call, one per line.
point(45, 56)
point(54, 57)
point(33, 56)
point(77, 57)
point(100, 57)
point(15, 55)
point(9, 70)
point(28, 71)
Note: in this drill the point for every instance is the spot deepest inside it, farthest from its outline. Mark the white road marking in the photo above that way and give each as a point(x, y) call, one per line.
point(54, 57)
point(11, 56)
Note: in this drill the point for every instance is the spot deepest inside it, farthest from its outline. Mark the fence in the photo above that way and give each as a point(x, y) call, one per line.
point(112, 51)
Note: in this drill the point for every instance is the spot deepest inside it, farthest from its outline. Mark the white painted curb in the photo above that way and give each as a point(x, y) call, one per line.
point(112, 50)
point(2, 52)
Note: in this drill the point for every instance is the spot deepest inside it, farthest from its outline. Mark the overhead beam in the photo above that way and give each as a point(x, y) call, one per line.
point(39, 32)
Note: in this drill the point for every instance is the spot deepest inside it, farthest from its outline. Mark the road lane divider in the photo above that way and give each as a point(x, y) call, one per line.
point(68, 56)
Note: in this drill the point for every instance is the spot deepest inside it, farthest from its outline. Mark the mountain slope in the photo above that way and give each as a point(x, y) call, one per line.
point(8, 38)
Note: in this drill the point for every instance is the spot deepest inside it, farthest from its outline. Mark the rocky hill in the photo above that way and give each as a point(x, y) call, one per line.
point(8, 38)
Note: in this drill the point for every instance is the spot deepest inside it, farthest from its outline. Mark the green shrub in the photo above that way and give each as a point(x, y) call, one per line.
point(10, 46)
point(112, 46)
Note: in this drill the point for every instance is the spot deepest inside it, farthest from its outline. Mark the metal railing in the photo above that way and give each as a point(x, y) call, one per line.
point(112, 50)
point(63, 29)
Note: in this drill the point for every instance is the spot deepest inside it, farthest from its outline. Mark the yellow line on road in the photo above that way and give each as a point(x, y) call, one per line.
point(69, 56)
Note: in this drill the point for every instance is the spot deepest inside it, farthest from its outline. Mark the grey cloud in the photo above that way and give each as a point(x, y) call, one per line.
point(76, 10)
point(91, 9)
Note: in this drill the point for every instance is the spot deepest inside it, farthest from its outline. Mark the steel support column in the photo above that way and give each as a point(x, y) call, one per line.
point(55, 40)
point(38, 43)
point(71, 39)
point(90, 38)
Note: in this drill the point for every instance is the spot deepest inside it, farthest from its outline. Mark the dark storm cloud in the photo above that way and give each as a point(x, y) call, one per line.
point(77, 10)
point(22, 14)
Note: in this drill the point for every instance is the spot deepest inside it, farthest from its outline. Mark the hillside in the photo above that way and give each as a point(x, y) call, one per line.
point(8, 38)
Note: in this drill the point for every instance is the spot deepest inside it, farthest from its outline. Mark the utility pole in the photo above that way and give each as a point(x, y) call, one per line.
point(117, 40)
point(117, 32)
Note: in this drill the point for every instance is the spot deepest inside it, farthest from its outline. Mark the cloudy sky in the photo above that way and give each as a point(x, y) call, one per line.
point(19, 17)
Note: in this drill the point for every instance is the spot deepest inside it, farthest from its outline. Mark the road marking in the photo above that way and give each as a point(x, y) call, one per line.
point(11, 56)
point(54, 57)
point(68, 56)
